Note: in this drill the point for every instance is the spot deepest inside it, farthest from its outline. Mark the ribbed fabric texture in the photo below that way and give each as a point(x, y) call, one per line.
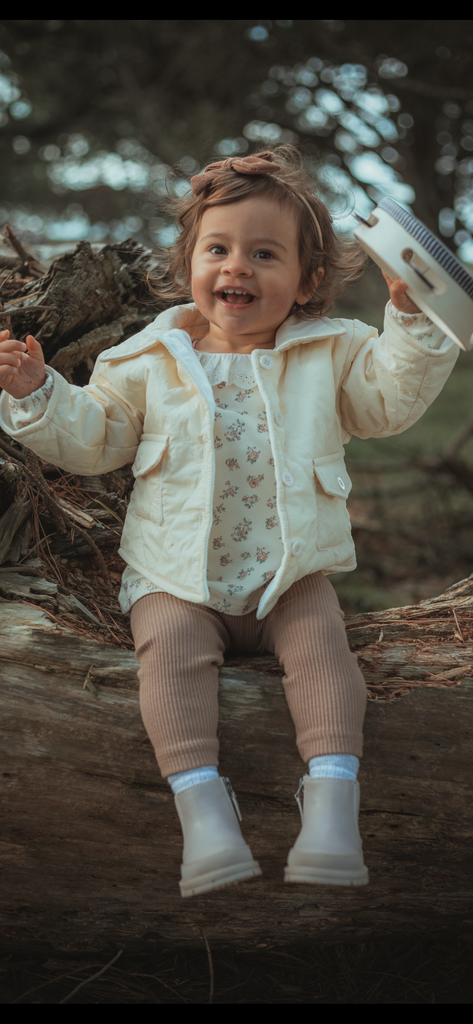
point(329, 766)
point(334, 766)
point(184, 780)
point(181, 645)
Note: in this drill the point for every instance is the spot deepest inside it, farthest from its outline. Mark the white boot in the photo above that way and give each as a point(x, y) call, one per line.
point(215, 853)
point(328, 849)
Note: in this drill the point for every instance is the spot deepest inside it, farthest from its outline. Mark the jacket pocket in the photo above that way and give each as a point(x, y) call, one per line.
point(148, 471)
point(332, 487)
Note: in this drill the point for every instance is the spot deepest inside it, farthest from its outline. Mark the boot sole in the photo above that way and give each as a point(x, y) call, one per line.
point(321, 876)
point(218, 879)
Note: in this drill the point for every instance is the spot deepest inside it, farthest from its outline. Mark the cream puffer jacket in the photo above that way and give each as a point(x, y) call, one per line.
point(149, 402)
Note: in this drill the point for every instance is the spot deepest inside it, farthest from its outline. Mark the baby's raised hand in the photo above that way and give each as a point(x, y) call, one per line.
point(399, 299)
point(21, 365)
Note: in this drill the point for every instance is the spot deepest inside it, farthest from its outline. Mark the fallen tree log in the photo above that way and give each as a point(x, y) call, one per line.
point(91, 843)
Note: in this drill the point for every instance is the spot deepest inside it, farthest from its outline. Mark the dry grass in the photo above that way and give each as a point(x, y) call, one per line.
point(404, 969)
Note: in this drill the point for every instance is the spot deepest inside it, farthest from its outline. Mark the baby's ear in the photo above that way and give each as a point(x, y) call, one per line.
point(304, 296)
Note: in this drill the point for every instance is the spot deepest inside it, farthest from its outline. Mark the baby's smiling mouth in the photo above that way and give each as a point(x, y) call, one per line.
point(235, 296)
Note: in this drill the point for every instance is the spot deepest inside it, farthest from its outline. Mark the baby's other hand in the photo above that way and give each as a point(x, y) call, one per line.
point(21, 365)
point(399, 299)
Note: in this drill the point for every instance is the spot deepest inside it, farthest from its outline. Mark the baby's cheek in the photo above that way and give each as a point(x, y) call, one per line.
point(282, 301)
point(201, 295)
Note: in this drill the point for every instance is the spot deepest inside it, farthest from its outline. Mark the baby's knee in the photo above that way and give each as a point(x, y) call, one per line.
point(177, 633)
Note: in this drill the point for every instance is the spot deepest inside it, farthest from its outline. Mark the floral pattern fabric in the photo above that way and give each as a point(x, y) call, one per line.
point(419, 326)
point(245, 546)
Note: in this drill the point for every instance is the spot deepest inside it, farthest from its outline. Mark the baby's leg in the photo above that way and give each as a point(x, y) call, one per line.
point(327, 698)
point(180, 647)
point(324, 686)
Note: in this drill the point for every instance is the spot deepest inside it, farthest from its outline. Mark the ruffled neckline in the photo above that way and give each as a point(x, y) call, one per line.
point(228, 367)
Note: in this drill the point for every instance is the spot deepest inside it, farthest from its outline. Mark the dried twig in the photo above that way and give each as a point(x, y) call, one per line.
point(14, 453)
point(98, 553)
point(451, 673)
point(45, 612)
point(136, 974)
point(88, 980)
point(60, 519)
point(50, 981)
point(83, 597)
point(37, 544)
point(28, 462)
point(16, 244)
point(30, 263)
point(460, 634)
point(15, 310)
point(23, 568)
point(211, 966)
point(88, 684)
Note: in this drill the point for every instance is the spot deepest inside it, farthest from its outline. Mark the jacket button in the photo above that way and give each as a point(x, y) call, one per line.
point(287, 478)
point(266, 362)
point(341, 483)
point(279, 418)
point(297, 548)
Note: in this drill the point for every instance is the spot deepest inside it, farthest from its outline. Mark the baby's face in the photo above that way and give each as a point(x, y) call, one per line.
point(245, 266)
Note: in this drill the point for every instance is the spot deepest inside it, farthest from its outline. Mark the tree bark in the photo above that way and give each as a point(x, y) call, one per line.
point(85, 302)
point(91, 843)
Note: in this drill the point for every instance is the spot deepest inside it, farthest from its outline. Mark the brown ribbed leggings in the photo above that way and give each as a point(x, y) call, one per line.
point(181, 645)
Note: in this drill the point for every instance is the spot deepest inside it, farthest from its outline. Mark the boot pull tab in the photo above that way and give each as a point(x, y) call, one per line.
point(299, 796)
point(231, 793)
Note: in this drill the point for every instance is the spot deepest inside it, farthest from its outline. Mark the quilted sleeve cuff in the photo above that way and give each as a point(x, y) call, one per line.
point(418, 326)
point(26, 411)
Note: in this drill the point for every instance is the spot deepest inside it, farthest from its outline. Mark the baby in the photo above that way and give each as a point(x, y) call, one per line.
point(234, 409)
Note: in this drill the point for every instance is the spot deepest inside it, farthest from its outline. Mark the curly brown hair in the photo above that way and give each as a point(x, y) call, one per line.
point(342, 260)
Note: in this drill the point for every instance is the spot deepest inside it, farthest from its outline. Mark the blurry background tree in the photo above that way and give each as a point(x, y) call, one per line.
point(94, 113)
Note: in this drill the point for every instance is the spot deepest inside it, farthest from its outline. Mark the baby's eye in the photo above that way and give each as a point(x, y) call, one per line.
point(221, 249)
point(264, 254)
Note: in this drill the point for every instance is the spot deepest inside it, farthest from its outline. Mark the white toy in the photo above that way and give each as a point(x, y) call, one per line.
point(437, 282)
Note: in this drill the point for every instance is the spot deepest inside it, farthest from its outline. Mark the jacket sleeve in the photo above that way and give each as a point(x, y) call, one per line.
point(88, 431)
point(388, 382)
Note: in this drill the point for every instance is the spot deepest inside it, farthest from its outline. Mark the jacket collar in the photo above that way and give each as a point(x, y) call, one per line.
point(299, 332)
point(188, 320)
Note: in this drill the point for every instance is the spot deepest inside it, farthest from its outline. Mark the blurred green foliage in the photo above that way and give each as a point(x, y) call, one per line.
point(93, 113)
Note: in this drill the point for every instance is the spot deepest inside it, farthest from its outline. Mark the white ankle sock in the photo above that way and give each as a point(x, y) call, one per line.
point(184, 780)
point(329, 766)
point(334, 766)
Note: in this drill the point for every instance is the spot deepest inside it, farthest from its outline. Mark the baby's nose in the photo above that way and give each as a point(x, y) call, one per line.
point(236, 266)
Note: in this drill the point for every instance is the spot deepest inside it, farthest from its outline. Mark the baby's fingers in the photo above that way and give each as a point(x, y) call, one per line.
point(7, 374)
point(10, 345)
point(34, 348)
point(10, 358)
point(399, 298)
